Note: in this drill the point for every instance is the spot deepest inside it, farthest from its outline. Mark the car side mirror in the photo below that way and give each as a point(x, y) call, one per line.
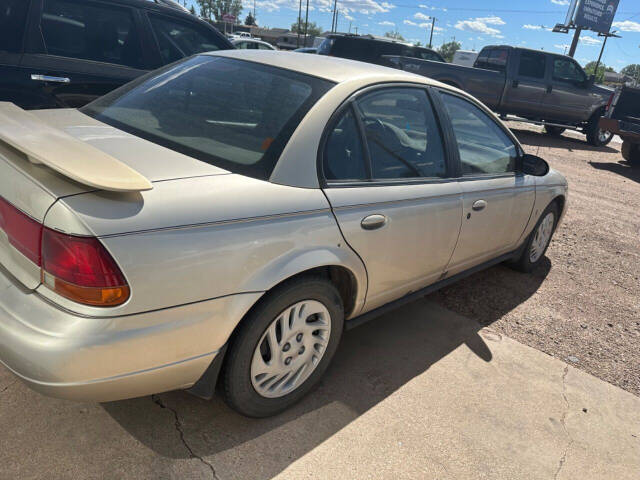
point(590, 82)
point(533, 165)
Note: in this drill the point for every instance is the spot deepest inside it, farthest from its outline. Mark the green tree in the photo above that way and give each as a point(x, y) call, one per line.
point(250, 20)
point(313, 29)
point(394, 34)
point(215, 9)
point(632, 71)
point(448, 50)
point(192, 10)
point(418, 44)
point(590, 69)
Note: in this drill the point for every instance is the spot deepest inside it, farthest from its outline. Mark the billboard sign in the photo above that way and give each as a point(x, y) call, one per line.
point(596, 15)
point(228, 18)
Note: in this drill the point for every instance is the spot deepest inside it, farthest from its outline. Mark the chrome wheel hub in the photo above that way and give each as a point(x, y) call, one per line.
point(290, 349)
point(542, 237)
point(603, 135)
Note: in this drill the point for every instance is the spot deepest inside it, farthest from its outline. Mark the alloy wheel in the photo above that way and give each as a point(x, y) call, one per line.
point(542, 237)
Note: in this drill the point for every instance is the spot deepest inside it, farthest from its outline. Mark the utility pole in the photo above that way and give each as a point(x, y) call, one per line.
point(350, 26)
point(574, 44)
point(306, 24)
point(433, 24)
point(254, 10)
point(334, 18)
point(299, 22)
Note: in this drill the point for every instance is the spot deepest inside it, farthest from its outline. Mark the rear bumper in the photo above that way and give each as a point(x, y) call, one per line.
point(101, 359)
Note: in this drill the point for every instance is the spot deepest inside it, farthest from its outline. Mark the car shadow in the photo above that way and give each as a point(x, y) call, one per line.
point(539, 139)
point(373, 361)
point(622, 168)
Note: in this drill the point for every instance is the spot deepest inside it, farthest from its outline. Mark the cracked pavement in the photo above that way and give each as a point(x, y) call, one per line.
point(421, 393)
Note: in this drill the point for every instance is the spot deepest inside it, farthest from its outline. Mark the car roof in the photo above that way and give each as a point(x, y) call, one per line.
point(335, 69)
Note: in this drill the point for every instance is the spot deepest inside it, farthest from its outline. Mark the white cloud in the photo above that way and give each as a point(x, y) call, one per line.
point(491, 20)
point(386, 23)
point(409, 22)
point(560, 2)
point(366, 7)
point(422, 16)
point(532, 27)
point(479, 25)
point(590, 41)
point(627, 26)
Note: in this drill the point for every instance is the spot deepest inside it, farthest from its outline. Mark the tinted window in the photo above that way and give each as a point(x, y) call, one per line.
point(483, 59)
point(230, 113)
point(483, 145)
point(532, 64)
point(325, 46)
point(364, 49)
point(13, 14)
point(402, 134)
point(343, 156)
point(90, 31)
point(177, 39)
point(425, 55)
point(498, 60)
point(566, 70)
point(262, 46)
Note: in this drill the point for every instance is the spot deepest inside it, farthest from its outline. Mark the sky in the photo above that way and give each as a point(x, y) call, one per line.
point(473, 23)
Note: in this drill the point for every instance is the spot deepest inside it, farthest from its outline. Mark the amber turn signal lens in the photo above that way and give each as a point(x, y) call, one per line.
point(94, 296)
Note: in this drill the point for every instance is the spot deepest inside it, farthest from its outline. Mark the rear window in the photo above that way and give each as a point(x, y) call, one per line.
point(13, 15)
point(234, 114)
point(362, 49)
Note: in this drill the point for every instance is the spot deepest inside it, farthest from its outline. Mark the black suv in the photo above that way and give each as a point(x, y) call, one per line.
point(65, 53)
point(370, 49)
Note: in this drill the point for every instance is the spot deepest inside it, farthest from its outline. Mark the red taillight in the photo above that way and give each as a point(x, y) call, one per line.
point(81, 269)
point(23, 232)
point(78, 268)
point(609, 102)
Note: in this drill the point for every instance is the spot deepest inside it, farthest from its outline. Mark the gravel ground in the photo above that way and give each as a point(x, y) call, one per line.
point(582, 304)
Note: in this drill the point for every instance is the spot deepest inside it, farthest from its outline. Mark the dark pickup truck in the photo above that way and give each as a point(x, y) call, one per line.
point(623, 118)
point(539, 87)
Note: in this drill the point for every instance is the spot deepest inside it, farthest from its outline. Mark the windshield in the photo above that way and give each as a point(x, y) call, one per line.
point(234, 114)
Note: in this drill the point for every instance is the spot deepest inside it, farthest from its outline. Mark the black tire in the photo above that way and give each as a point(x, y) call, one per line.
point(593, 132)
point(237, 387)
point(524, 263)
point(631, 153)
point(553, 131)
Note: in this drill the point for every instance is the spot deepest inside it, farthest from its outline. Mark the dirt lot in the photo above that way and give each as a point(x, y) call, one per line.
point(583, 304)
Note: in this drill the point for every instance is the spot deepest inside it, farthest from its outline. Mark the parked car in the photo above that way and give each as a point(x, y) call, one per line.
point(623, 118)
point(252, 44)
point(368, 48)
point(232, 213)
point(306, 50)
point(65, 53)
point(542, 87)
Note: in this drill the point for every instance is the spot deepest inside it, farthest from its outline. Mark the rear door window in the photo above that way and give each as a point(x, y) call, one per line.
point(402, 134)
point(532, 64)
point(91, 31)
point(343, 156)
point(13, 16)
point(177, 39)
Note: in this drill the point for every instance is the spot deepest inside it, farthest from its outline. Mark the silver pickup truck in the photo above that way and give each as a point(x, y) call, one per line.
point(536, 86)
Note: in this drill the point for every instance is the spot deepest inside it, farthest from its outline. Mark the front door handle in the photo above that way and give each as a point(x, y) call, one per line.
point(479, 205)
point(549, 88)
point(49, 78)
point(373, 222)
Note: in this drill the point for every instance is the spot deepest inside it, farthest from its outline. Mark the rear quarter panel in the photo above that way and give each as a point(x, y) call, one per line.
point(195, 239)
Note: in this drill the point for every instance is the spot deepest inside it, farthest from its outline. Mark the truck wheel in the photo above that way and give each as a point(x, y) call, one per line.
point(631, 152)
point(595, 135)
point(553, 131)
point(283, 347)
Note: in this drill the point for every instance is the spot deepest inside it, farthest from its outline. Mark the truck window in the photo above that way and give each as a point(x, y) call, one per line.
point(13, 15)
point(483, 59)
point(568, 71)
point(498, 60)
point(84, 30)
point(532, 64)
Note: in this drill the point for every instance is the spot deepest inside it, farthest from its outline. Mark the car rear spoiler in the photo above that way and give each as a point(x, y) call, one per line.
point(46, 145)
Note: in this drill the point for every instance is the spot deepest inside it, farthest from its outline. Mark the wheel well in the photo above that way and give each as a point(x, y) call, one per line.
point(560, 201)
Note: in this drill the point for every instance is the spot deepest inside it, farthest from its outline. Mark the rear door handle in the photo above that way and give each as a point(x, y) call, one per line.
point(373, 222)
point(479, 205)
point(49, 78)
